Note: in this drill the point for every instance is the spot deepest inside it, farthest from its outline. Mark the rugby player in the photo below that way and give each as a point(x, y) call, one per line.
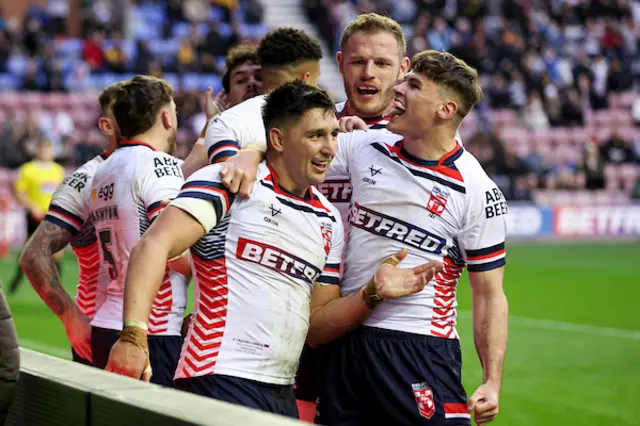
point(257, 263)
point(286, 54)
point(67, 222)
point(241, 81)
point(127, 191)
point(421, 190)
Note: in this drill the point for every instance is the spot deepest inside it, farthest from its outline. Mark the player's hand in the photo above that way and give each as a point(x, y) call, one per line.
point(128, 359)
point(351, 123)
point(392, 281)
point(78, 330)
point(214, 106)
point(239, 172)
point(484, 403)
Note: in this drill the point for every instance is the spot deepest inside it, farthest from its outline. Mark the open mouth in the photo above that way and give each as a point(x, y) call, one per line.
point(321, 165)
point(398, 109)
point(367, 91)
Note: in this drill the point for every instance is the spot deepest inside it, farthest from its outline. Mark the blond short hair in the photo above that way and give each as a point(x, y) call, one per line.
point(450, 73)
point(373, 23)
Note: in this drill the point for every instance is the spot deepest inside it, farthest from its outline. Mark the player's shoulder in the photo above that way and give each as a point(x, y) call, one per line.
point(90, 167)
point(245, 112)
point(474, 176)
point(323, 202)
point(209, 173)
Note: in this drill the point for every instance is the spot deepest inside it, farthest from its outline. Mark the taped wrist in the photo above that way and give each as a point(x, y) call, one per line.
point(137, 335)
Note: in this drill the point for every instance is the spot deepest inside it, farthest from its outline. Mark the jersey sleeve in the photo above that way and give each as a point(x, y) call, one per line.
point(204, 197)
point(68, 208)
point(482, 240)
point(220, 141)
point(20, 183)
point(162, 181)
point(331, 271)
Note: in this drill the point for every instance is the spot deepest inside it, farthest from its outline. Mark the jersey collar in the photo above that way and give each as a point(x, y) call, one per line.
point(129, 143)
point(280, 190)
point(446, 160)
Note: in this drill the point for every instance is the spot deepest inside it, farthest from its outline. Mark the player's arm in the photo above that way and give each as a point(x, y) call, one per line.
point(197, 158)
point(482, 242)
point(39, 266)
point(195, 211)
point(333, 316)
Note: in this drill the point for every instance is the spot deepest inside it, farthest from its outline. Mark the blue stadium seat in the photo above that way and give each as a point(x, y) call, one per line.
point(17, 65)
point(180, 29)
point(216, 14)
point(210, 80)
point(190, 81)
point(173, 80)
point(8, 81)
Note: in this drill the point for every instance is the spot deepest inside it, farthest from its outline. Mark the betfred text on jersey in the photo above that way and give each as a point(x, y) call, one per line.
point(276, 259)
point(395, 229)
point(336, 191)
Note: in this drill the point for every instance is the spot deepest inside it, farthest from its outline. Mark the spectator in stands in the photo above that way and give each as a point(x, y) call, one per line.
point(620, 78)
point(34, 37)
point(92, 52)
point(572, 111)
point(499, 92)
point(115, 57)
point(592, 167)
point(186, 57)
point(617, 150)
point(533, 115)
point(440, 35)
point(174, 15)
point(599, 87)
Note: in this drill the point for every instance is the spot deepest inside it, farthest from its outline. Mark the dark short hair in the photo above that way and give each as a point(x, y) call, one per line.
point(291, 101)
point(137, 103)
point(239, 55)
point(288, 46)
point(450, 73)
point(107, 95)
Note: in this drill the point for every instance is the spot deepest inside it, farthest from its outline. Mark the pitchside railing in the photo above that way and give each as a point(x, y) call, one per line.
point(53, 391)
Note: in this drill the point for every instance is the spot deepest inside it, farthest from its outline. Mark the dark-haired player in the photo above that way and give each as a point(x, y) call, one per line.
point(256, 262)
point(126, 194)
point(286, 54)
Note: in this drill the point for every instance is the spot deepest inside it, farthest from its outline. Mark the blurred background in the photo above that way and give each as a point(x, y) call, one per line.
point(558, 130)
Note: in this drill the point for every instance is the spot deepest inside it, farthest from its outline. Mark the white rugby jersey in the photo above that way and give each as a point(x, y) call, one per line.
point(448, 210)
point(125, 198)
point(253, 272)
point(68, 209)
point(235, 128)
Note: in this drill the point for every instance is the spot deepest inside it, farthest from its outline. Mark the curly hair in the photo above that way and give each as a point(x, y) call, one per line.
point(287, 46)
point(291, 101)
point(107, 95)
point(451, 73)
point(137, 103)
point(239, 55)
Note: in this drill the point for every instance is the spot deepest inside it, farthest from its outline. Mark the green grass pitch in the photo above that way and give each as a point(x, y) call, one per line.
point(574, 338)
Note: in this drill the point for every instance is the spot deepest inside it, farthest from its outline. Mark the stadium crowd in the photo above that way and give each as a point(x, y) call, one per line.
point(560, 109)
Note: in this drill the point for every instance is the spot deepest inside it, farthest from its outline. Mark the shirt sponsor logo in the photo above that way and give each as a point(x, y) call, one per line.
point(336, 191)
point(276, 259)
point(395, 229)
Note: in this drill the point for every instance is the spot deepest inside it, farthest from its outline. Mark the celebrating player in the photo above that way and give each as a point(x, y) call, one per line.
point(126, 195)
point(255, 261)
point(241, 81)
point(286, 55)
point(418, 190)
point(67, 222)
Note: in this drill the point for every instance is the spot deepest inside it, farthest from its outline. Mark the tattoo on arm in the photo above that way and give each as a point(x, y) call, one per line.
point(39, 266)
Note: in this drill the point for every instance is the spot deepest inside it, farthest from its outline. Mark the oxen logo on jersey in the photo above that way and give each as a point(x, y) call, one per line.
point(424, 398)
point(274, 211)
point(375, 171)
point(327, 231)
point(438, 201)
point(276, 259)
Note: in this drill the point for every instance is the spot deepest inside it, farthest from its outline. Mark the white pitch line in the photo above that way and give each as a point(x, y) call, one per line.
point(41, 347)
point(566, 326)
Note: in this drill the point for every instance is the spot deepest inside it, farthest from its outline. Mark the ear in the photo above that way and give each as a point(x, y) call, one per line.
point(276, 139)
point(166, 120)
point(305, 76)
point(339, 61)
point(404, 66)
point(448, 110)
point(106, 126)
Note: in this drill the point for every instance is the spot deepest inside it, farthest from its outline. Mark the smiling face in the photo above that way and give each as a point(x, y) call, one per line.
point(371, 64)
point(418, 102)
point(306, 147)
